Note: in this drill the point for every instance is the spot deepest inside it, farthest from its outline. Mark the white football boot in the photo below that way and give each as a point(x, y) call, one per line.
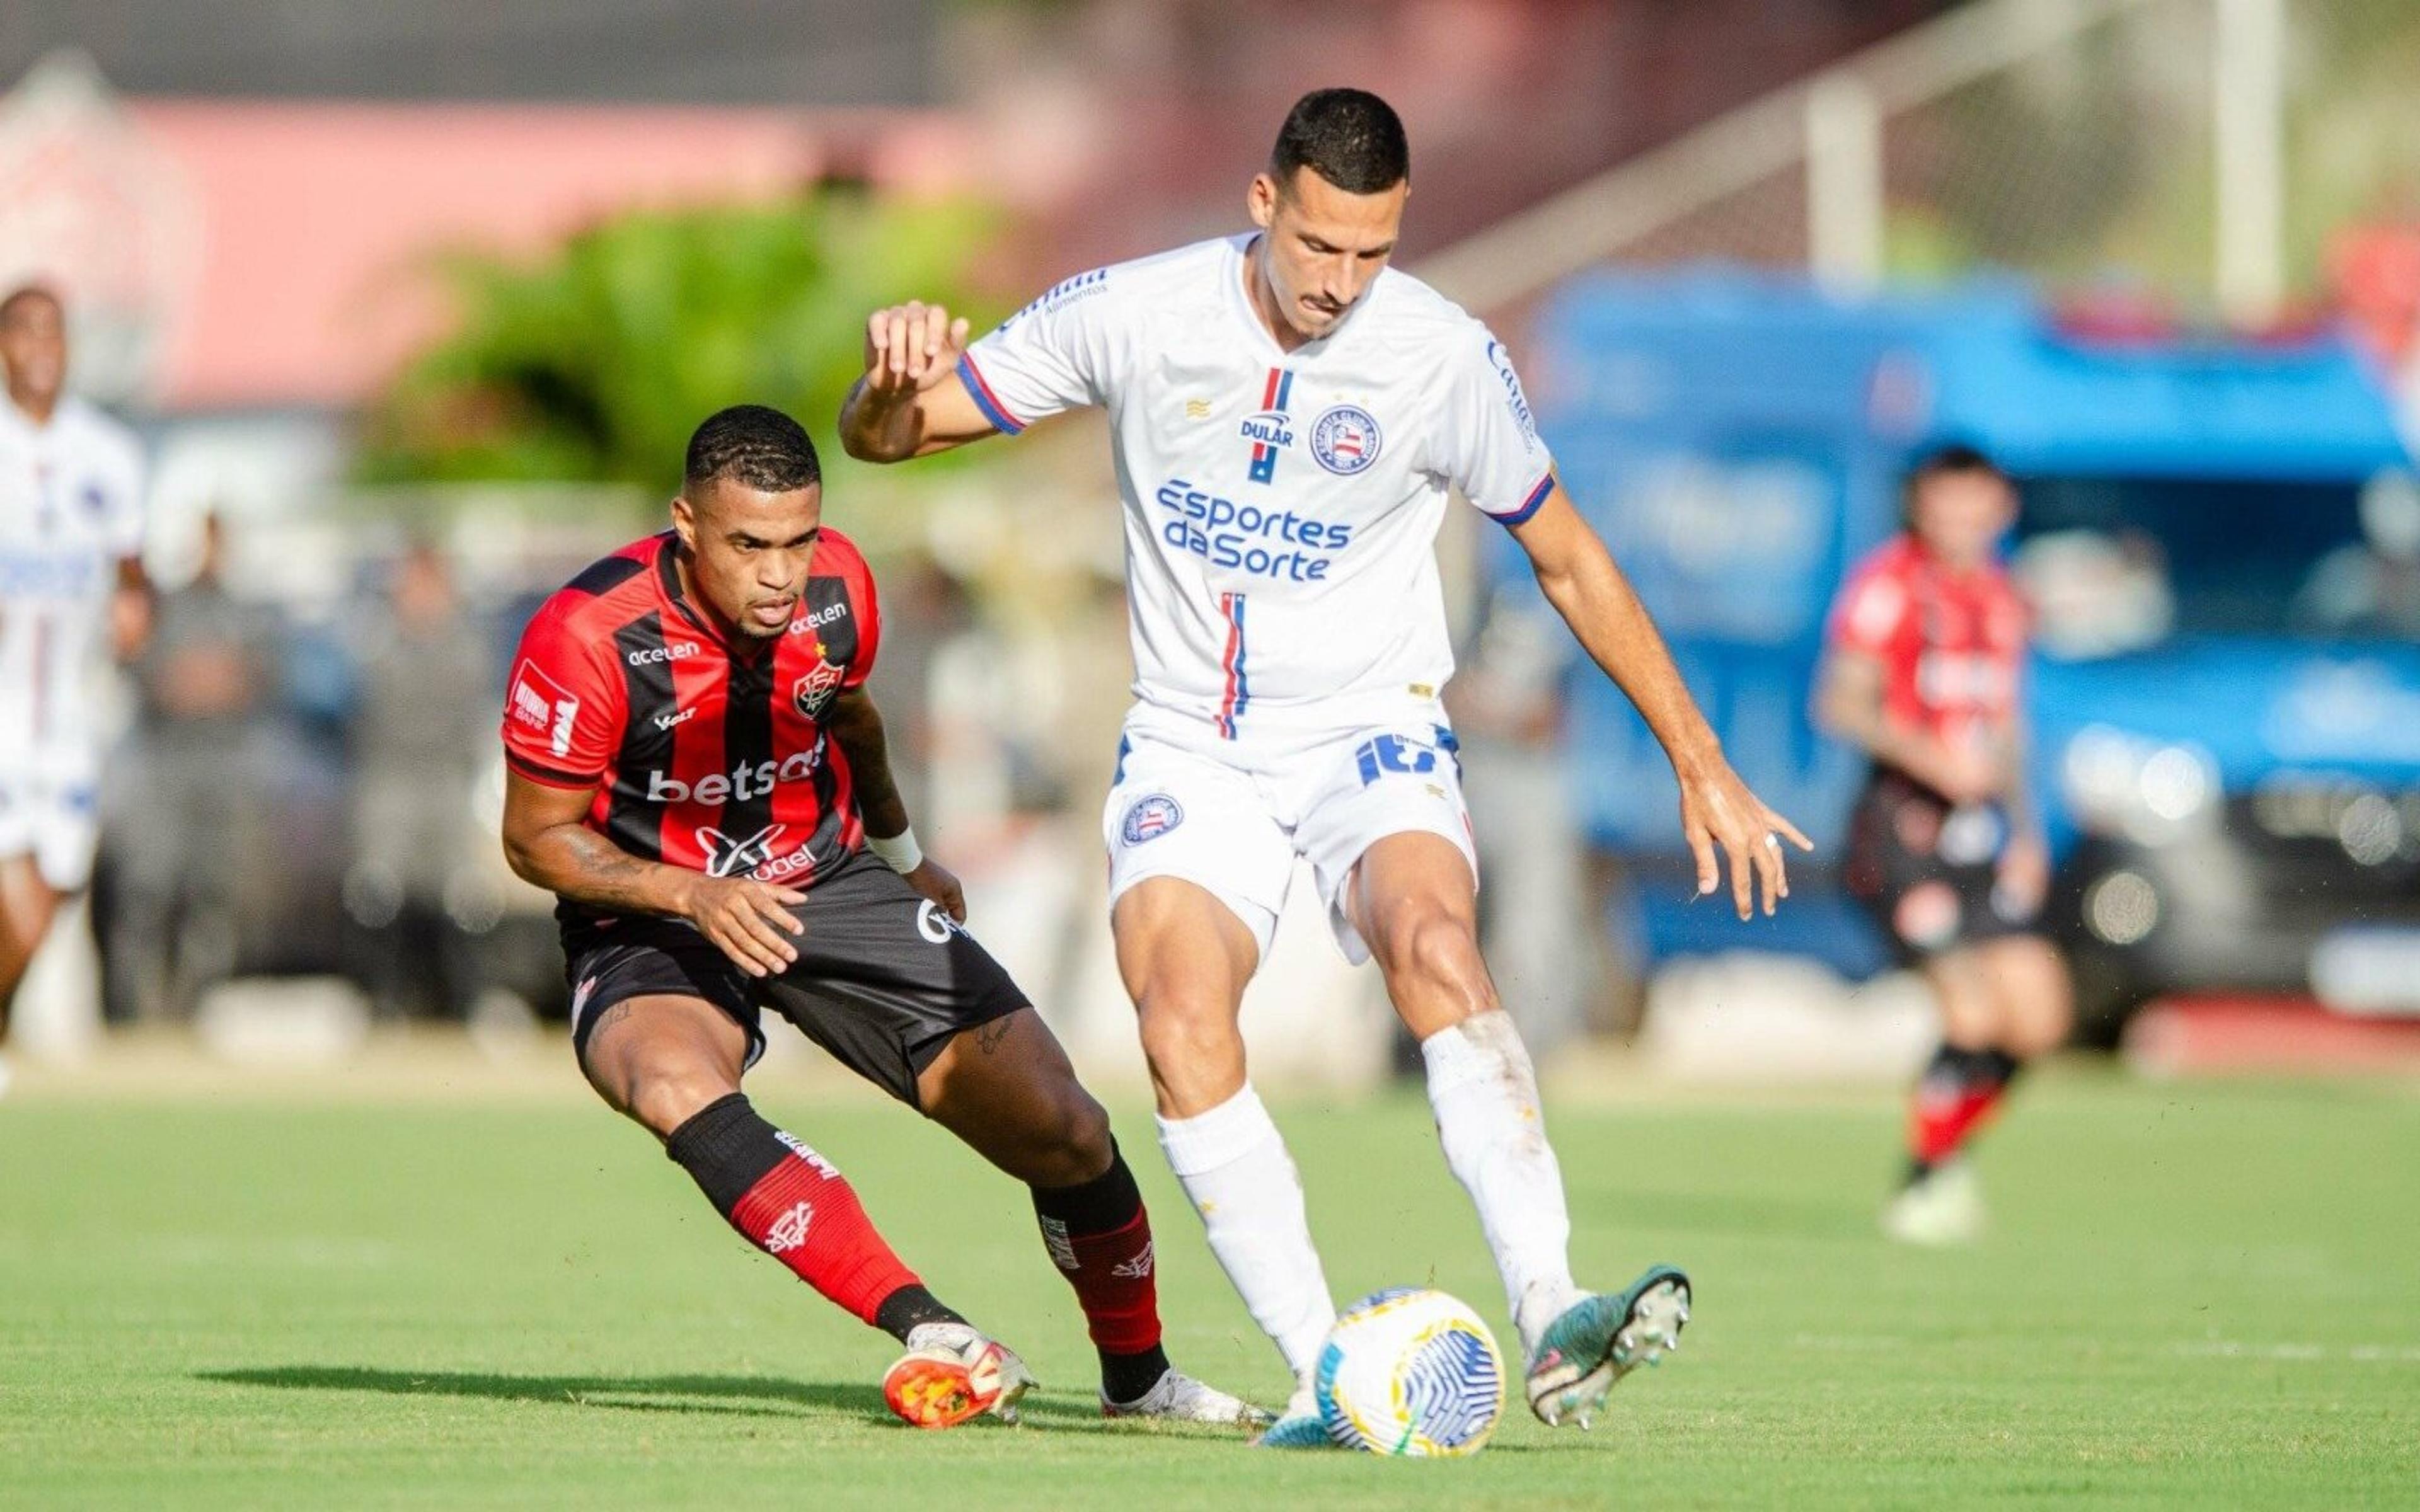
point(1943, 1206)
point(1179, 1398)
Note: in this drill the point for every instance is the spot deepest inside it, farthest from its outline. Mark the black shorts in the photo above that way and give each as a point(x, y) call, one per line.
point(884, 978)
point(1926, 870)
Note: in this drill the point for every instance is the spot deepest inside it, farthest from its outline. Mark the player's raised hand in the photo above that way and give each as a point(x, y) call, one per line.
point(1722, 818)
point(911, 347)
point(748, 920)
point(939, 883)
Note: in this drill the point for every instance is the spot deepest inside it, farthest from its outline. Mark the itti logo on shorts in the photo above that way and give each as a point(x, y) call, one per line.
point(789, 1230)
point(1149, 817)
point(1344, 440)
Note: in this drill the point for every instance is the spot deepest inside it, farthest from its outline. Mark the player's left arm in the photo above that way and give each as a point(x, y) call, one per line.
point(854, 724)
point(2023, 871)
point(131, 610)
point(1718, 813)
point(133, 605)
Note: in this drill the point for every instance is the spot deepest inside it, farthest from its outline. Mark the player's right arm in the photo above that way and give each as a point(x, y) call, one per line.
point(926, 390)
point(911, 401)
point(549, 844)
point(565, 714)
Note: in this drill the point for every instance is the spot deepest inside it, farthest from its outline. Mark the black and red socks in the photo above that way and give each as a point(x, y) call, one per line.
point(1956, 1096)
point(795, 1206)
point(1099, 1237)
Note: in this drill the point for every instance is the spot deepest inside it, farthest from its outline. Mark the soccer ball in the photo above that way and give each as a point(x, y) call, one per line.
point(1410, 1371)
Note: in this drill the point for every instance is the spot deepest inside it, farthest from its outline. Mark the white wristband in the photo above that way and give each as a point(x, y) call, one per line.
point(900, 852)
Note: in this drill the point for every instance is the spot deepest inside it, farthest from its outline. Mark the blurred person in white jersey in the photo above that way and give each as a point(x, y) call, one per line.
point(71, 580)
point(1288, 415)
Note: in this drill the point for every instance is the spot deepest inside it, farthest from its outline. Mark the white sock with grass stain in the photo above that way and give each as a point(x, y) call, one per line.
point(1484, 1093)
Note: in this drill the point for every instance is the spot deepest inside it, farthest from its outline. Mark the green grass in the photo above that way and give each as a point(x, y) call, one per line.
point(2192, 1295)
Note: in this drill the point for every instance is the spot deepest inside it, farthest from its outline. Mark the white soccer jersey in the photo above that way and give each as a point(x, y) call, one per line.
point(70, 507)
point(1282, 508)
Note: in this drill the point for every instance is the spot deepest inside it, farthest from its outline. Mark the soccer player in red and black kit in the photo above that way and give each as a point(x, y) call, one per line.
point(697, 772)
point(1923, 673)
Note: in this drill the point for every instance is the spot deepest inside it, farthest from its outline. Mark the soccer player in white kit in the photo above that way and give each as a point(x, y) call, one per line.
point(1288, 416)
point(71, 534)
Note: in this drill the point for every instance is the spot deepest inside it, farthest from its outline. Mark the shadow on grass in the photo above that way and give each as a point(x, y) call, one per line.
point(732, 1395)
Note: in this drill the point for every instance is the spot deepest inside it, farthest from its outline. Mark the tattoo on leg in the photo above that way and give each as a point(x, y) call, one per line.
point(987, 1039)
point(605, 1020)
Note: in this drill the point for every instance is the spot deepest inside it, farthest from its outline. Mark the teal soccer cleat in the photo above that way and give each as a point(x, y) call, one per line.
point(1602, 1338)
point(1299, 1427)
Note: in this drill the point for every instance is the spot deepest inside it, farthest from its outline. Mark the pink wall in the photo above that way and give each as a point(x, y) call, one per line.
point(316, 219)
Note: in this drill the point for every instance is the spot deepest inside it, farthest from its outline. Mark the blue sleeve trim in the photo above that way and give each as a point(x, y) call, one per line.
point(1531, 505)
point(985, 399)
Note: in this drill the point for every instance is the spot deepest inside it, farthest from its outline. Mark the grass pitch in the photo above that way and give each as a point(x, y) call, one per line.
point(2192, 1295)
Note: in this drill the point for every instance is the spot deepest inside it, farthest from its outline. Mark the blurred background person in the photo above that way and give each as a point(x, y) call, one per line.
point(70, 581)
point(1546, 944)
point(1945, 847)
point(422, 716)
point(204, 679)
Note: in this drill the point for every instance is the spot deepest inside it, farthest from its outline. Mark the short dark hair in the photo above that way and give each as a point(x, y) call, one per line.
point(1946, 461)
point(23, 292)
point(1349, 138)
point(753, 444)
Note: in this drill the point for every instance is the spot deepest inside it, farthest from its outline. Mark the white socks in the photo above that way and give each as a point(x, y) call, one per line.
point(1236, 1169)
point(1484, 1093)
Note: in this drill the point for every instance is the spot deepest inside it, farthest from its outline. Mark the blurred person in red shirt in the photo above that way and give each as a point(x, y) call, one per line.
point(1923, 673)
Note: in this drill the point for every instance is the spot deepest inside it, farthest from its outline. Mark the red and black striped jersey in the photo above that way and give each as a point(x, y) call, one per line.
point(1951, 644)
point(705, 752)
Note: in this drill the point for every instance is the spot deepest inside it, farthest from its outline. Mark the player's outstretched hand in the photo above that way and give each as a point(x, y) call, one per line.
point(939, 883)
point(748, 920)
point(910, 348)
point(1720, 815)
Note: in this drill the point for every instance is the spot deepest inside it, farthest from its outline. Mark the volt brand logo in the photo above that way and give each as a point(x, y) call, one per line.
point(1248, 539)
point(1270, 431)
point(728, 858)
point(666, 721)
point(544, 708)
point(670, 651)
point(743, 782)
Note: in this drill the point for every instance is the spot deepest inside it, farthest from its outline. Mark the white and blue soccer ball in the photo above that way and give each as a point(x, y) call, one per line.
point(1410, 1371)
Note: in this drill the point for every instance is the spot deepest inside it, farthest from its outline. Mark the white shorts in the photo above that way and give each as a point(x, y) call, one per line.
point(52, 820)
point(1231, 815)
